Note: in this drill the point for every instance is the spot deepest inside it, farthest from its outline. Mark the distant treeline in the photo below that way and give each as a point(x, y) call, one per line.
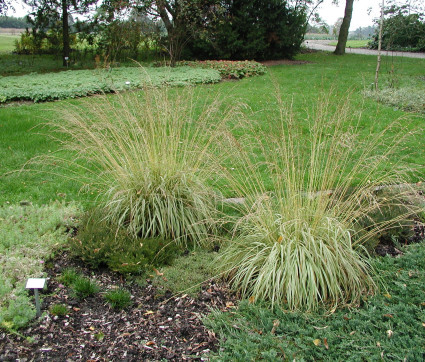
point(12, 22)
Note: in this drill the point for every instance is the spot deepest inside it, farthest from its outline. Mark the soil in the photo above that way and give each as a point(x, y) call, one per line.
point(155, 327)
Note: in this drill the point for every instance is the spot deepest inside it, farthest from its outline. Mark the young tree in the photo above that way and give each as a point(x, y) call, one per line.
point(46, 12)
point(345, 26)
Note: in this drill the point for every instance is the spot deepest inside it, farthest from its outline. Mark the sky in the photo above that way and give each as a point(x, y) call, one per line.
point(364, 11)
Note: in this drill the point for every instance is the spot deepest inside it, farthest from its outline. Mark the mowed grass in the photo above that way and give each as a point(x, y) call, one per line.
point(7, 42)
point(354, 43)
point(22, 136)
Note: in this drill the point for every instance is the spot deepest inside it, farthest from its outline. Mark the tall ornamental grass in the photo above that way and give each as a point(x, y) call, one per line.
point(308, 187)
point(150, 158)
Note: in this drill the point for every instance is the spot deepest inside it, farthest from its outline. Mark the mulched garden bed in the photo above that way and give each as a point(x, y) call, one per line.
point(155, 327)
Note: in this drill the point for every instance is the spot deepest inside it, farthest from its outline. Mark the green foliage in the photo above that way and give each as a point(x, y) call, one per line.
point(100, 243)
point(152, 161)
point(118, 298)
point(229, 69)
point(83, 287)
point(349, 334)
point(410, 98)
point(240, 30)
point(58, 310)
point(29, 235)
point(186, 273)
point(298, 245)
point(69, 276)
point(401, 31)
point(13, 22)
point(79, 83)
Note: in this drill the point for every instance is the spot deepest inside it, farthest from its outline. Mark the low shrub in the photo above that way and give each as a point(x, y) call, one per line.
point(100, 243)
point(229, 69)
point(119, 298)
point(298, 246)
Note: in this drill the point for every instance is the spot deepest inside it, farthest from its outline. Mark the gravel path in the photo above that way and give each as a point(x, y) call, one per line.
point(324, 45)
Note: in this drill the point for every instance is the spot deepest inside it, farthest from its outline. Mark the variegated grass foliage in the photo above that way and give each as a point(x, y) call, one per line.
point(149, 158)
point(308, 185)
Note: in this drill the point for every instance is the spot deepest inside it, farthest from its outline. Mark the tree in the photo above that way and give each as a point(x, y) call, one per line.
point(345, 26)
point(402, 29)
point(48, 12)
point(251, 29)
point(5, 5)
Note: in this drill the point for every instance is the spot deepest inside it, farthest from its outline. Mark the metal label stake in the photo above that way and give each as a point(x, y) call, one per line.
point(36, 284)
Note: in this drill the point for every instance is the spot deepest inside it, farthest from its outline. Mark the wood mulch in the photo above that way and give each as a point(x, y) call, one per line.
point(155, 326)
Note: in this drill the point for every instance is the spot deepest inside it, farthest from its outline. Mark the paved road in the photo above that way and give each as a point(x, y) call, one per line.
point(324, 45)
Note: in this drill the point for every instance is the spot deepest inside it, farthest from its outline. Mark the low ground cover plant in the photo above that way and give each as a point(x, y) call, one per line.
point(389, 325)
point(410, 99)
point(118, 298)
point(30, 235)
point(82, 287)
point(80, 83)
point(229, 69)
point(299, 245)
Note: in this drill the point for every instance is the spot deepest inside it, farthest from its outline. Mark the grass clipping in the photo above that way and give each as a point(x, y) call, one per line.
point(298, 246)
point(149, 158)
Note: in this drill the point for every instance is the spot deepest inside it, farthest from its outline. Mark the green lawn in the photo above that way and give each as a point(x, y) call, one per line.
point(354, 43)
point(7, 43)
point(22, 137)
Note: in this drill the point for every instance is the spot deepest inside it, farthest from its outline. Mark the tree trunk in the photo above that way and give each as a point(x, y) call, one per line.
point(343, 32)
point(65, 33)
point(378, 64)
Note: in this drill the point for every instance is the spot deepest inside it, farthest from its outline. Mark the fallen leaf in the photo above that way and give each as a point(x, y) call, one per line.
point(150, 343)
point(388, 295)
point(76, 309)
point(275, 325)
point(279, 240)
point(388, 315)
point(229, 305)
point(317, 342)
point(251, 299)
point(157, 272)
point(325, 342)
point(149, 312)
point(91, 328)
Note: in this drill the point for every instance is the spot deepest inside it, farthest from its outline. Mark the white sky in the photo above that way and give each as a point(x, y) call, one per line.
point(364, 11)
point(362, 16)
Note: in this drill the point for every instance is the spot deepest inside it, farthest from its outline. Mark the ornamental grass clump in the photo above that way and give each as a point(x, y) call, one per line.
point(149, 158)
point(308, 185)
